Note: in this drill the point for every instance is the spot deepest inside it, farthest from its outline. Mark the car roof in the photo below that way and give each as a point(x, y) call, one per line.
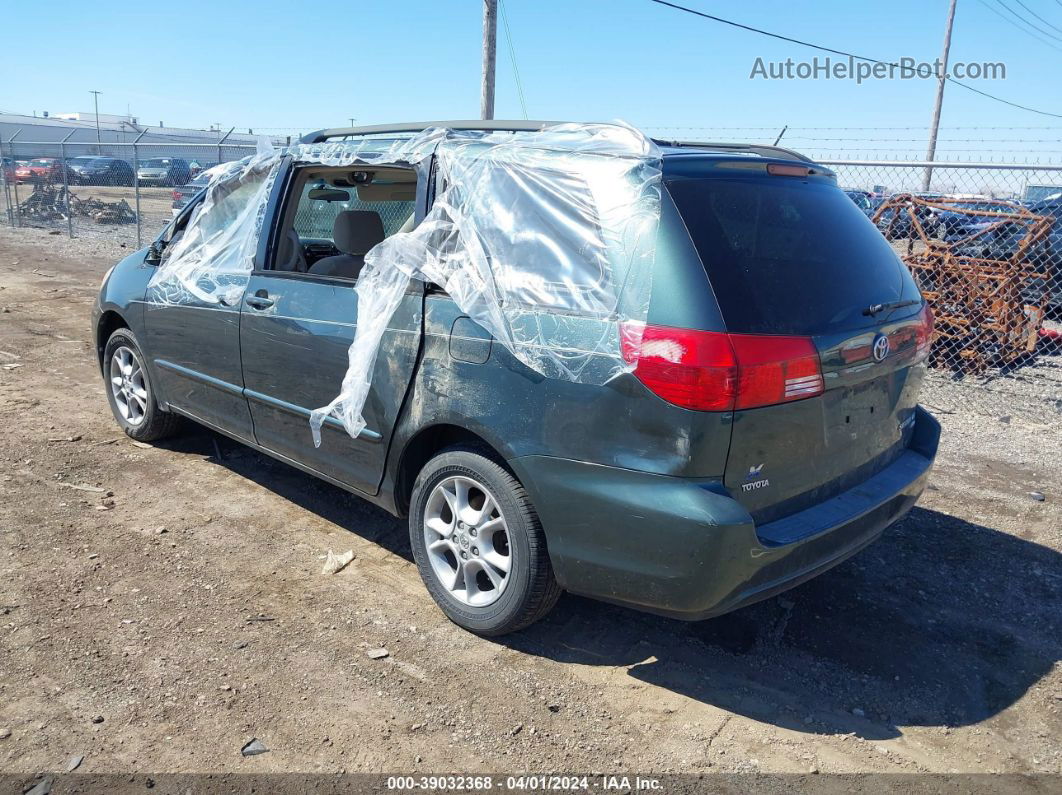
point(669, 147)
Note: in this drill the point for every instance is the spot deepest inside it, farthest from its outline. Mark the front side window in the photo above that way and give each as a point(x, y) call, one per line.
point(211, 259)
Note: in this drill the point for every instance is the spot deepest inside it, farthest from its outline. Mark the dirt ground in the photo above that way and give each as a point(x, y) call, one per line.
point(162, 606)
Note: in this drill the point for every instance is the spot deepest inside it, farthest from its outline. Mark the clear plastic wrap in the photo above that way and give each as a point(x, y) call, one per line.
point(211, 259)
point(546, 239)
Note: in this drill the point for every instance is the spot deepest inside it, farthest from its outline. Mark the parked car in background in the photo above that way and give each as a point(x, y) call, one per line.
point(1053, 197)
point(862, 200)
point(184, 193)
point(775, 385)
point(96, 170)
point(164, 171)
point(960, 217)
point(199, 166)
point(9, 167)
point(41, 169)
point(895, 223)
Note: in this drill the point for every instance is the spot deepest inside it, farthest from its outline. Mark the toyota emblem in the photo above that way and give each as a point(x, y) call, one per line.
point(881, 347)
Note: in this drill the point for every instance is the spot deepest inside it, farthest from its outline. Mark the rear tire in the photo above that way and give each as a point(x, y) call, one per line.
point(130, 393)
point(479, 545)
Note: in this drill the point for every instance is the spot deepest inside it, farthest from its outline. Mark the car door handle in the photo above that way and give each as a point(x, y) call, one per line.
point(259, 301)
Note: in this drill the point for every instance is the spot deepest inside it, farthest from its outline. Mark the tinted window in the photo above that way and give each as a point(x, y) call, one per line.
point(785, 257)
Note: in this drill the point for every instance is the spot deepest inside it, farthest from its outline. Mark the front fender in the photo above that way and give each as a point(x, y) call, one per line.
point(121, 294)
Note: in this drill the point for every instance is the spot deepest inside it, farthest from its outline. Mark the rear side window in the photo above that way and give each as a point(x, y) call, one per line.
point(787, 257)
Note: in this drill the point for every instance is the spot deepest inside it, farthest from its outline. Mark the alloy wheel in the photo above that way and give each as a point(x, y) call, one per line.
point(467, 541)
point(128, 386)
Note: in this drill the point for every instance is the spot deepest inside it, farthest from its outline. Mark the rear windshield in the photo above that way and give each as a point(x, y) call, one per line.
point(788, 257)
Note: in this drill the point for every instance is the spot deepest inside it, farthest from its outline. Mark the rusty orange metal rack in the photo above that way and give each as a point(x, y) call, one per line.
point(987, 290)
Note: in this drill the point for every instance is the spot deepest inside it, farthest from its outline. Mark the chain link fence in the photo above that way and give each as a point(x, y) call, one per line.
point(127, 191)
point(984, 242)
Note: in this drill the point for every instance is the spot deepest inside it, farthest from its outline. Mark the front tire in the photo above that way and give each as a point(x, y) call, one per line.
point(479, 545)
point(130, 393)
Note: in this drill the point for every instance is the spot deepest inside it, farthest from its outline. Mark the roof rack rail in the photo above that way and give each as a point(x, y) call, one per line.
point(764, 150)
point(487, 125)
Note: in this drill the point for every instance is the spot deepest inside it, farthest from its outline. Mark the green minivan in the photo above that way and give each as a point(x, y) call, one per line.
point(767, 429)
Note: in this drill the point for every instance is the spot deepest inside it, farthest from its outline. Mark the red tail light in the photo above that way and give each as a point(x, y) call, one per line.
point(715, 371)
point(775, 369)
point(176, 195)
point(692, 369)
point(924, 332)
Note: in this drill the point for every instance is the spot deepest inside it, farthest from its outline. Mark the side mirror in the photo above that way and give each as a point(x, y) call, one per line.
point(154, 253)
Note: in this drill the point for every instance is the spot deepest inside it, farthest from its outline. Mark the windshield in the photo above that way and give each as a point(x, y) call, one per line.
point(788, 257)
point(156, 162)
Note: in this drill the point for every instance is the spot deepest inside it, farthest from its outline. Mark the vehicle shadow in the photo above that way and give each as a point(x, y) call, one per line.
point(941, 622)
point(311, 493)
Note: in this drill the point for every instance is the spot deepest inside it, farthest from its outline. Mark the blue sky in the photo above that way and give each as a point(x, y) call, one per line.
point(298, 66)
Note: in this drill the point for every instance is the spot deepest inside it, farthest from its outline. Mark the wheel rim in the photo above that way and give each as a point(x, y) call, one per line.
point(467, 540)
point(128, 386)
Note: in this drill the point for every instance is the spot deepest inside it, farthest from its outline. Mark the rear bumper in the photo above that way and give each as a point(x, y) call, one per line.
point(685, 548)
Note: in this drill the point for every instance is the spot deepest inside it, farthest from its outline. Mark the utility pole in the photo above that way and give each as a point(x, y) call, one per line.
point(352, 120)
point(931, 152)
point(96, 103)
point(490, 39)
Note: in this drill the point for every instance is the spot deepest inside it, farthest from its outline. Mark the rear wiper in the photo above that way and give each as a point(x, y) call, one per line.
point(877, 309)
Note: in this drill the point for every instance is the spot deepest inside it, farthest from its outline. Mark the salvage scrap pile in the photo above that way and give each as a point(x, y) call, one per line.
point(50, 202)
point(988, 286)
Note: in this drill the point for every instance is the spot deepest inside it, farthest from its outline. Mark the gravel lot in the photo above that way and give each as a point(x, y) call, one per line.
point(162, 606)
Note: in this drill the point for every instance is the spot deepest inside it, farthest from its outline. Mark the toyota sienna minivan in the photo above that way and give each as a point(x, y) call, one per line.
point(769, 427)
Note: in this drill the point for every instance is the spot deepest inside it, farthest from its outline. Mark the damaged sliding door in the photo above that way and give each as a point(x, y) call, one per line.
point(300, 314)
point(295, 334)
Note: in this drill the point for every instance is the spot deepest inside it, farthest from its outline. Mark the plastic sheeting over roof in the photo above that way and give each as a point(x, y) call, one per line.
point(546, 239)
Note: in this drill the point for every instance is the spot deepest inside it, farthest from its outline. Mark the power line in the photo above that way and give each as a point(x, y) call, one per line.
point(1019, 2)
point(1010, 21)
point(846, 54)
point(512, 57)
point(1025, 21)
